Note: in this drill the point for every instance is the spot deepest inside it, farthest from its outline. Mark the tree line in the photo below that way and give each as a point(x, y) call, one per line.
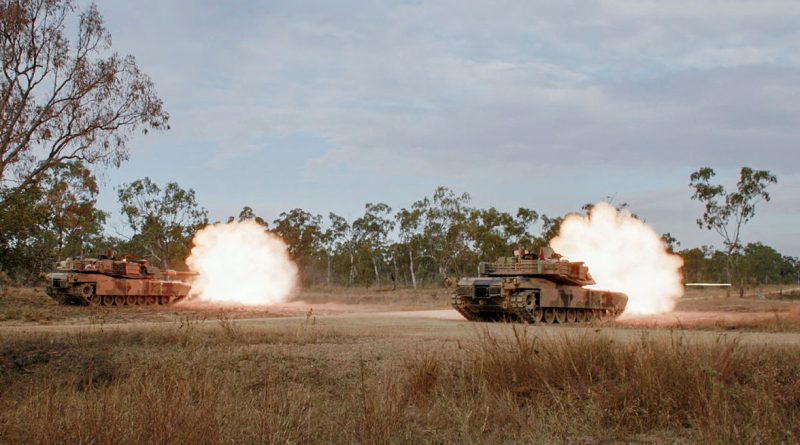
point(434, 238)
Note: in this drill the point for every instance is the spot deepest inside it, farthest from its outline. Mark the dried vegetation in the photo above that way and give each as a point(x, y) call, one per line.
point(228, 382)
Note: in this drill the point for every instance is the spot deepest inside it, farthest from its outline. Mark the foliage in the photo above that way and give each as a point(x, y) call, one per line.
point(492, 232)
point(49, 221)
point(371, 232)
point(670, 241)
point(726, 213)
point(248, 214)
point(163, 222)
point(756, 265)
point(302, 233)
point(550, 227)
point(762, 264)
point(437, 237)
point(65, 101)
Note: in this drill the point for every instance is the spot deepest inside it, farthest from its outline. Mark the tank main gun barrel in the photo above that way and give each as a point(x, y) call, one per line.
point(178, 273)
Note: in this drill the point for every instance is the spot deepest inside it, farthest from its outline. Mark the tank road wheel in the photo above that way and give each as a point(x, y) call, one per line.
point(87, 293)
point(130, 300)
point(140, 300)
point(527, 314)
point(550, 315)
point(572, 316)
point(583, 315)
point(151, 299)
point(561, 316)
point(538, 315)
point(163, 300)
point(106, 300)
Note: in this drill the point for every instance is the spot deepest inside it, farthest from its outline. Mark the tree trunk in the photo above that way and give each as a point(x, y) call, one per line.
point(413, 275)
point(377, 276)
point(328, 280)
point(60, 243)
point(729, 274)
point(352, 270)
point(395, 273)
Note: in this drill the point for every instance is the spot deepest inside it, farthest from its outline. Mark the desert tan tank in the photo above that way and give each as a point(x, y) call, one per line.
point(114, 282)
point(534, 289)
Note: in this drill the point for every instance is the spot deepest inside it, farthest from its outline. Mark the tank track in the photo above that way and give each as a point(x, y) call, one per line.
point(459, 305)
point(113, 300)
point(140, 300)
point(522, 307)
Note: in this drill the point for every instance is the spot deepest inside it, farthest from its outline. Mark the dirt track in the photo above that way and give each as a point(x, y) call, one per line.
point(446, 324)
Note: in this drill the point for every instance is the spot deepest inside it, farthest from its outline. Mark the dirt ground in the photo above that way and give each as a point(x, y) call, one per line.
point(404, 312)
point(379, 366)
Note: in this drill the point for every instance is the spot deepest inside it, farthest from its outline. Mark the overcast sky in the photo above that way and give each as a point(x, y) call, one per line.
point(327, 105)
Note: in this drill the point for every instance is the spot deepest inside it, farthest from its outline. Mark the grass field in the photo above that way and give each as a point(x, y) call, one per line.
point(349, 373)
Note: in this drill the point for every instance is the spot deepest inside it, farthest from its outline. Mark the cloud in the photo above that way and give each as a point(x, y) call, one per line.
point(450, 90)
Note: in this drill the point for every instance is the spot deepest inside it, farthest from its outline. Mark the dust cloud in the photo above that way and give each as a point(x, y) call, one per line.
point(240, 262)
point(623, 254)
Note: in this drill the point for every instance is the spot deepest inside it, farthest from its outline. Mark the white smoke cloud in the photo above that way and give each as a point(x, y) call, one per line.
point(243, 263)
point(623, 254)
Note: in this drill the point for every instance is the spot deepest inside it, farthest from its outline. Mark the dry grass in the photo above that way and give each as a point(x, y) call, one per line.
point(225, 382)
point(27, 304)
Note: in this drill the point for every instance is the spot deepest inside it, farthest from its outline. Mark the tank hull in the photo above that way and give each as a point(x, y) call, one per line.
point(533, 300)
point(82, 288)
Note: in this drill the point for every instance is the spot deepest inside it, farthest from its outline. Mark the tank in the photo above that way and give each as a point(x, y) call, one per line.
point(114, 282)
point(534, 289)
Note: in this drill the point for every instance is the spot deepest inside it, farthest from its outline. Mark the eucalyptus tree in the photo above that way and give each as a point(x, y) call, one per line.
point(727, 212)
point(341, 238)
point(53, 219)
point(302, 232)
point(445, 226)
point(488, 231)
point(248, 214)
point(409, 223)
point(372, 233)
point(163, 221)
point(63, 100)
point(550, 228)
point(70, 197)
